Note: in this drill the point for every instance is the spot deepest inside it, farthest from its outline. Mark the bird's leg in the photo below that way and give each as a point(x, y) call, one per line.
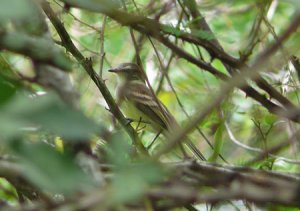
point(139, 123)
point(150, 145)
point(138, 128)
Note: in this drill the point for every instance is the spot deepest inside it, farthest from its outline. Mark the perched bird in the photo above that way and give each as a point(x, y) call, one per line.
point(143, 109)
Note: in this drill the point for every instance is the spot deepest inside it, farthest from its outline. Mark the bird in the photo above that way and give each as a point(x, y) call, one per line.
point(142, 107)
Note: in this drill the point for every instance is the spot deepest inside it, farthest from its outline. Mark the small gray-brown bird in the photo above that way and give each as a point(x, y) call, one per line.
point(142, 107)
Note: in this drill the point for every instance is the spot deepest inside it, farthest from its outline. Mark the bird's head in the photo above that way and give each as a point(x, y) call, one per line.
point(128, 71)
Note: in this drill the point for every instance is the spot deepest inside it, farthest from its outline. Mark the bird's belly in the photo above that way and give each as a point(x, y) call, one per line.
point(139, 120)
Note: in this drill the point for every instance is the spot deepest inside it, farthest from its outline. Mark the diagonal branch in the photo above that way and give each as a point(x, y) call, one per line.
point(238, 80)
point(37, 48)
point(200, 23)
point(152, 28)
point(87, 65)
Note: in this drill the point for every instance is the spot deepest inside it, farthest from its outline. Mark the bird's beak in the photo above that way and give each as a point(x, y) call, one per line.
point(115, 70)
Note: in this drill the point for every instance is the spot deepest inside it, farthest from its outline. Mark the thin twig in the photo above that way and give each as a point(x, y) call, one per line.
point(257, 150)
point(237, 80)
point(87, 65)
point(102, 53)
point(152, 28)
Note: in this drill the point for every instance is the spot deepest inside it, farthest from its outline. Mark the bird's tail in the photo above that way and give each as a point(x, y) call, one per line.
point(195, 150)
point(191, 146)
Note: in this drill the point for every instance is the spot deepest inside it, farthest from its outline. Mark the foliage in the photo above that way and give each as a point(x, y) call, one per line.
point(227, 71)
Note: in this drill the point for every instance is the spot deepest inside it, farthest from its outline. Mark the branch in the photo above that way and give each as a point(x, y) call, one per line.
point(200, 23)
point(152, 28)
point(37, 48)
point(87, 65)
point(238, 80)
point(191, 182)
point(229, 183)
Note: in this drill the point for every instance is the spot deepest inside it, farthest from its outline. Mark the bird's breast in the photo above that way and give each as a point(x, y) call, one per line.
point(140, 121)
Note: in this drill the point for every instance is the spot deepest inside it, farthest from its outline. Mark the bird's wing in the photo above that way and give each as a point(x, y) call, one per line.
point(140, 94)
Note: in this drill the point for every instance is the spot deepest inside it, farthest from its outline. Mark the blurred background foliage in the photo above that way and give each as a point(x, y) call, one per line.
point(34, 120)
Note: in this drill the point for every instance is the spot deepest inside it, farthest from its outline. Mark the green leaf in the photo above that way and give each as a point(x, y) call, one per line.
point(218, 143)
point(171, 30)
point(119, 145)
point(45, 112)
point(5, 68)
point(116, 42)
point(203, 34)
point(14, 9)
point(104, 6)
point(38, 48)
point(8, 89)
point(132, 181)
point(8, 192)
point(49, 169)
